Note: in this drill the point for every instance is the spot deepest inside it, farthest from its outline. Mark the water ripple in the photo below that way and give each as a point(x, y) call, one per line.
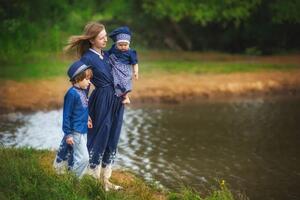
point(249, 144)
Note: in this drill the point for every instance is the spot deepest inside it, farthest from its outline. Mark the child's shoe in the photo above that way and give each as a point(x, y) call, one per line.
point(60, 167)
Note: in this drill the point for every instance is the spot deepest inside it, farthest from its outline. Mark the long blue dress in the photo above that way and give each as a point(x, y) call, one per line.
point(105, 109)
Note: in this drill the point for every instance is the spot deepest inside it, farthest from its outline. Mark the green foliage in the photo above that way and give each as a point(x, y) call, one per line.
point(286, 11)
point(44, 29)
point(223, 193)
point(118, 9)
point(232, 25)
point(222, 11)
point(202, 11)
point(229, 25)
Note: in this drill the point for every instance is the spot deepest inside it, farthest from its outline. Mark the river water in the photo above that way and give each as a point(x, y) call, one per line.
point(252, 144)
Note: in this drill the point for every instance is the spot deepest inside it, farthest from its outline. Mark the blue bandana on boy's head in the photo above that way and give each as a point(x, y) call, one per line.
point(121, 34)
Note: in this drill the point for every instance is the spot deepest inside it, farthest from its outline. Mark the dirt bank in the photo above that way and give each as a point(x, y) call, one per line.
point(158, 88)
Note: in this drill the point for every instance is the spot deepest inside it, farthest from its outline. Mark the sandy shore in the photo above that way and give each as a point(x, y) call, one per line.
point(157, 88)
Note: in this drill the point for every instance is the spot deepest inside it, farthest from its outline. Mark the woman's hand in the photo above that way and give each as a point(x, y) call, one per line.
point(90, 123)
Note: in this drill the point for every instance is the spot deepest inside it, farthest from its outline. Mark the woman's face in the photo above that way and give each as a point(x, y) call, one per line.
point(100, 40)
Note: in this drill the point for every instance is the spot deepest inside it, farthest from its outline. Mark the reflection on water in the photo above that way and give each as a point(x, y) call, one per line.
point(253, 145)
point(40, 130)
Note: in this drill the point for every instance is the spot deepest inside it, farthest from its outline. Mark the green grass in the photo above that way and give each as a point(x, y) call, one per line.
point(39, 65)
point(36, 70)
point(23, 176)
point(212, 67)
point(189, 194)
point(28, 174)
point(35, 66)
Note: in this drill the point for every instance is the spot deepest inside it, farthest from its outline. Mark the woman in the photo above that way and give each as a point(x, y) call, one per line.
point(105, 108)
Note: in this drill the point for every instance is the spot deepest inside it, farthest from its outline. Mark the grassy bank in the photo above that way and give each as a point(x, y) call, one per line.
point(28, 174)
point(44, 65)
point(35, 66)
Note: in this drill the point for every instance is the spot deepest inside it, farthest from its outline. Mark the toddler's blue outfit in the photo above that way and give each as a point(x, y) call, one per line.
point(122, 61)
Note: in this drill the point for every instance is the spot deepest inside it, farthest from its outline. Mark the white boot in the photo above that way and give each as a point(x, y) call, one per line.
point(60, 167)
point(94, 172)
point(106, 183)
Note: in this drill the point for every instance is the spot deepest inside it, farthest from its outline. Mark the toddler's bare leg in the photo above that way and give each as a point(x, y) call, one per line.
point(126, 99)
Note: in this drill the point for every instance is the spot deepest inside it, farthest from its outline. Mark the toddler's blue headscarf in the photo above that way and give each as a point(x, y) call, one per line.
point(121, 34)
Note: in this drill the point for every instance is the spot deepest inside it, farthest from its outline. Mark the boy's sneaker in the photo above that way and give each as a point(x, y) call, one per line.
point(60, 167)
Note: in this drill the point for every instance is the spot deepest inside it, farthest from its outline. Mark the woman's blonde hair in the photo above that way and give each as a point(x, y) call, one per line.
point(82, 42)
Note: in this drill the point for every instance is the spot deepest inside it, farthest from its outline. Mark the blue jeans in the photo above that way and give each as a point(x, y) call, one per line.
point(76, 156)
point(80, 154)
point(64, 154)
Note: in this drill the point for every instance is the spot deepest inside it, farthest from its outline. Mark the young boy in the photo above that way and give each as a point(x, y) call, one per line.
point(73, 150)
point(123, 59)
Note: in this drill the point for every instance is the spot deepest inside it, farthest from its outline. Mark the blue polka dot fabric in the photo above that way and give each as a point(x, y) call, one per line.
point(122, 75)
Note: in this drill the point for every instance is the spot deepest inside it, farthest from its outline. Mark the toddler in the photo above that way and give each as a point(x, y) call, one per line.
point(123, 59)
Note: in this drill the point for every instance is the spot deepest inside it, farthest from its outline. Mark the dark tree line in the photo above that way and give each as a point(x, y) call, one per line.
point(251, 26)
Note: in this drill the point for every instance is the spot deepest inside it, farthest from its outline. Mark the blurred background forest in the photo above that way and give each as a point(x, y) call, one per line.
point(196, 57)
point(256, 27)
